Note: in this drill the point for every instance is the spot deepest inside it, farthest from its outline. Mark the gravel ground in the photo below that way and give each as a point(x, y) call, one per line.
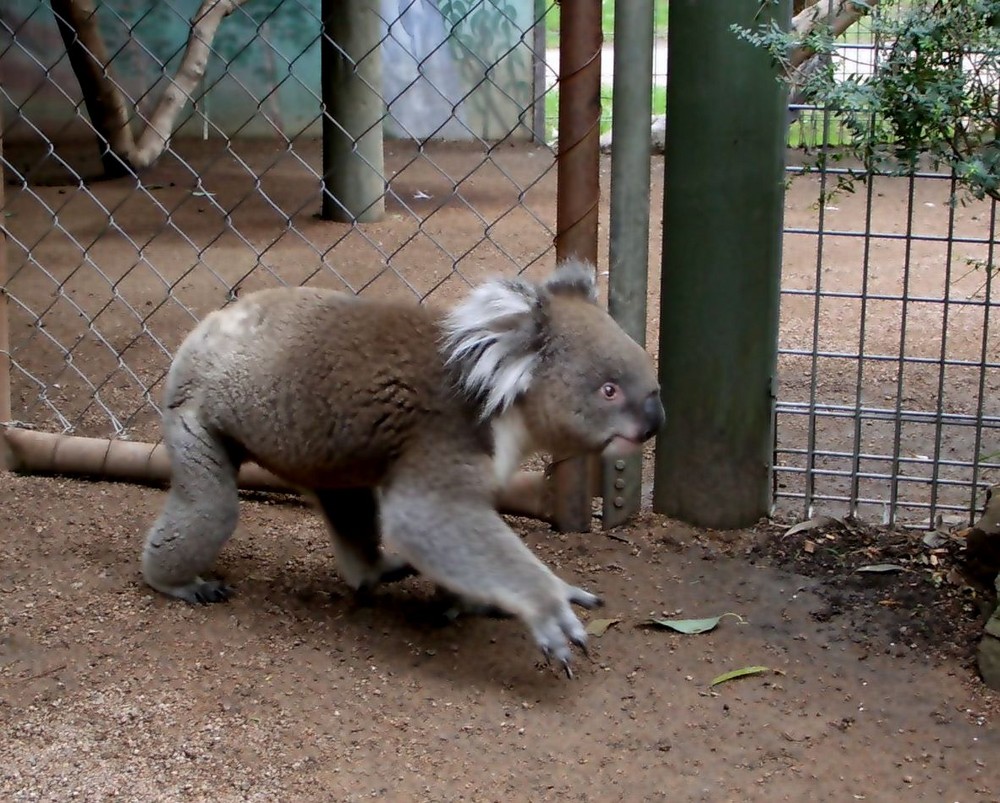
point(109, 691)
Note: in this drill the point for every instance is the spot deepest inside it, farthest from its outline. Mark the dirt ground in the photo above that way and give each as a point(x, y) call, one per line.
point(293, 692)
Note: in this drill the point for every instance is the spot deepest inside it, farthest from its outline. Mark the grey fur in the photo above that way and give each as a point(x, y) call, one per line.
point(355, 402)
point(495, 337)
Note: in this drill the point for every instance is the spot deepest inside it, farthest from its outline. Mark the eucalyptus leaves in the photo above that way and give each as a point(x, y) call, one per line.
point(933, 94)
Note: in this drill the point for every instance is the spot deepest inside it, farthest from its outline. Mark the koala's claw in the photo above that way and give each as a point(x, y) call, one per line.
point(563, 662)
point(555, 636)
point(584, 599)
point(212, 591)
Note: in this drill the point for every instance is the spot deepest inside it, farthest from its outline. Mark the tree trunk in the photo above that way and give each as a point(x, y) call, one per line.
point(77, 21)
point(105, 102)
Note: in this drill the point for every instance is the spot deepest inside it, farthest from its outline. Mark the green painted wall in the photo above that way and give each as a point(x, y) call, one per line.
point(452, 69)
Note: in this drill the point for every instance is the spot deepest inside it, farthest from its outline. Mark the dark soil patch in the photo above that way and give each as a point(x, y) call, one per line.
point(899, 589)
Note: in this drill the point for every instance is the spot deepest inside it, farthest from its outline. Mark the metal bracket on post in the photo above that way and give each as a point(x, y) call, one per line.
point(621, 488)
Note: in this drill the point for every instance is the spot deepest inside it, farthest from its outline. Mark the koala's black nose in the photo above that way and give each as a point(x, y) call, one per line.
point(654, 414)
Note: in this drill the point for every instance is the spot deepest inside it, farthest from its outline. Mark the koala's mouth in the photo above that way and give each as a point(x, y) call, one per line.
point(621, 446)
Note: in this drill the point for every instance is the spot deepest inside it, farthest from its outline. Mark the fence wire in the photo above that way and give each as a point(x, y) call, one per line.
point(888, 367)
point(107, 276)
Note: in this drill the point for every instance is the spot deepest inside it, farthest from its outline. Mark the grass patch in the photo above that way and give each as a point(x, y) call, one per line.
point(808, 130)
point(659, 99)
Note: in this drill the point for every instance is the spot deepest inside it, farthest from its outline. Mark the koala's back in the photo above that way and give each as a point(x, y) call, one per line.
point(320, 387)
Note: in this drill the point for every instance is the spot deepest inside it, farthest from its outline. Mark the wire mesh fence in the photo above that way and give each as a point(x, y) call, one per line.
point(107, 275)
point(888, 361)
point(887, 399)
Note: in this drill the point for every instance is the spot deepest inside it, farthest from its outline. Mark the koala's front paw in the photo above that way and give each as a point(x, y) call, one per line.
point(557, 630)
point(554, 635)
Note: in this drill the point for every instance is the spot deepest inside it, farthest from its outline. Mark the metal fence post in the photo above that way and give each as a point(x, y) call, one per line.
point(628, 257)
point(6, 414)
point(353, 160)
point(577, 197)
point(722, 222)
point(538, 70)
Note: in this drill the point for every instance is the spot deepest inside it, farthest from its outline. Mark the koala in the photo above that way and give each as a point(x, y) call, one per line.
point(401, 423)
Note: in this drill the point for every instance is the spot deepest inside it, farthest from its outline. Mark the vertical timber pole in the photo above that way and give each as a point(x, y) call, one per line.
point(353, 158)
point(628, 258)
point(722, 220)
point(577, 197)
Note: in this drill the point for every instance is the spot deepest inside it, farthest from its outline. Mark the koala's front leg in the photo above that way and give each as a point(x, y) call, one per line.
point(460, 542)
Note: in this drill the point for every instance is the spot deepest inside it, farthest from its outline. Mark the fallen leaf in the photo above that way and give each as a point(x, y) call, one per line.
point(955, 577)
point(880, 568)
point(935, 538)
point(598, 627)
point(692, 626)
point(814, 524)
point(740, 673)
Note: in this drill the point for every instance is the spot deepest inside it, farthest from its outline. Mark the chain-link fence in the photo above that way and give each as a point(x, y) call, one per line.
point(106, 275)
point(888, 381)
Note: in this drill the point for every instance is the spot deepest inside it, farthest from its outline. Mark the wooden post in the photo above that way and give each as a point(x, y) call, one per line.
point(720, 292)
point(577, 197)
point(353, 159)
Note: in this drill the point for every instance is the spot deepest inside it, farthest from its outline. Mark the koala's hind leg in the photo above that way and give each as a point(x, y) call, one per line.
point(200, 514)
point(352, 518)
point(459, 541)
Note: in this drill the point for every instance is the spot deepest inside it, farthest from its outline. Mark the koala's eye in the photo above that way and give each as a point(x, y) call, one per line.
point(610, 390)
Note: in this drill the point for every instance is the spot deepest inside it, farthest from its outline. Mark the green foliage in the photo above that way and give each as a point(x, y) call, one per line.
point(932, 96)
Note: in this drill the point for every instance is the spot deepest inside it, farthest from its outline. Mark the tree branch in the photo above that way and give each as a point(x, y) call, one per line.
point(839, 15)
point(161, 123)
point(77, 23)
point(106, 104)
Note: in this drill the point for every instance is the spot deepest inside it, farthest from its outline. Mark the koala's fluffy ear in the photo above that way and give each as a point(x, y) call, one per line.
point(495, 336)
point(573, 277)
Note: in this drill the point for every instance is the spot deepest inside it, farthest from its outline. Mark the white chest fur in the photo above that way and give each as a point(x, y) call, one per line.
point(511, 444)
